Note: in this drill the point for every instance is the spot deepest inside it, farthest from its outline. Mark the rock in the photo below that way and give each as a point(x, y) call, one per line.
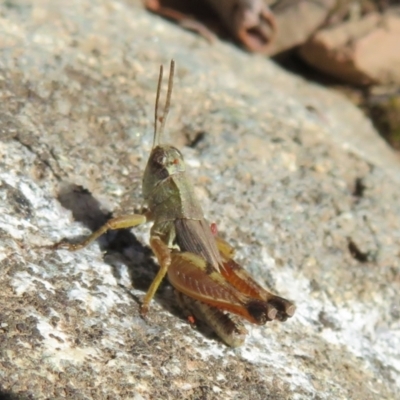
point(360, 52)
point(296, 21)
point(293, 174)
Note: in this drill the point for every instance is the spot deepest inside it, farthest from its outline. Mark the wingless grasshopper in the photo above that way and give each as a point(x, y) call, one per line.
point(198, 263)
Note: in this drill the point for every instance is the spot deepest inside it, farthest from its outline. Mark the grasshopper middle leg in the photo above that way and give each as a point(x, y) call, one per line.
point(163, 254)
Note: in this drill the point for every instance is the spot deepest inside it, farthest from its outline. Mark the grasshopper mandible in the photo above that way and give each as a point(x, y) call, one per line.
point(198, 263)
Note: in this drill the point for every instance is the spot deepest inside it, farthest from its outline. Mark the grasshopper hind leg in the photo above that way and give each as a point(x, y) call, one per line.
point(229, 328)
point(191, 275)
point(238, 277)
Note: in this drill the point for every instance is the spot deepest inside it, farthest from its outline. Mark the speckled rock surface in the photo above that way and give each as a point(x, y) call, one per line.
point(295, 177)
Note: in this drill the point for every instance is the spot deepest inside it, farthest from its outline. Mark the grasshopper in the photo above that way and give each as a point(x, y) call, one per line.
point(198, 263)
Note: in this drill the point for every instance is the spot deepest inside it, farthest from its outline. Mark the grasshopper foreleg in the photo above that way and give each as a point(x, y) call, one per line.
point(127, 221)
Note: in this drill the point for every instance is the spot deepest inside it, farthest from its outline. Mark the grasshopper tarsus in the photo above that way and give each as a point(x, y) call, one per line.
point(63, 244)
point(143, 310)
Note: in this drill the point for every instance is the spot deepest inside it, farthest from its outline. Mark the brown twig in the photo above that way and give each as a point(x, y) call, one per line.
point(183, 19)
point(249, 21)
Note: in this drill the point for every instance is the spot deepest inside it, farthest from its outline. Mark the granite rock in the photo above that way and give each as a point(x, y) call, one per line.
point(295, 177)
point(361, 52)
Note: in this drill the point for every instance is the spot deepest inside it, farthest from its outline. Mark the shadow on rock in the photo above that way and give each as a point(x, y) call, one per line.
point(120, 247)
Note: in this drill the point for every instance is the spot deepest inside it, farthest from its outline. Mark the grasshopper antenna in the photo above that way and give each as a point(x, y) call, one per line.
point(158, 132)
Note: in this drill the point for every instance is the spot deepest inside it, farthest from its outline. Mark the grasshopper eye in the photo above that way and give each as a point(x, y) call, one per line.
point(177, 156)
point(161, 160)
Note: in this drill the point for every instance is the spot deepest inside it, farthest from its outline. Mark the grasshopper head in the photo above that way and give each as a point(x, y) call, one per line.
point(164, 161)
